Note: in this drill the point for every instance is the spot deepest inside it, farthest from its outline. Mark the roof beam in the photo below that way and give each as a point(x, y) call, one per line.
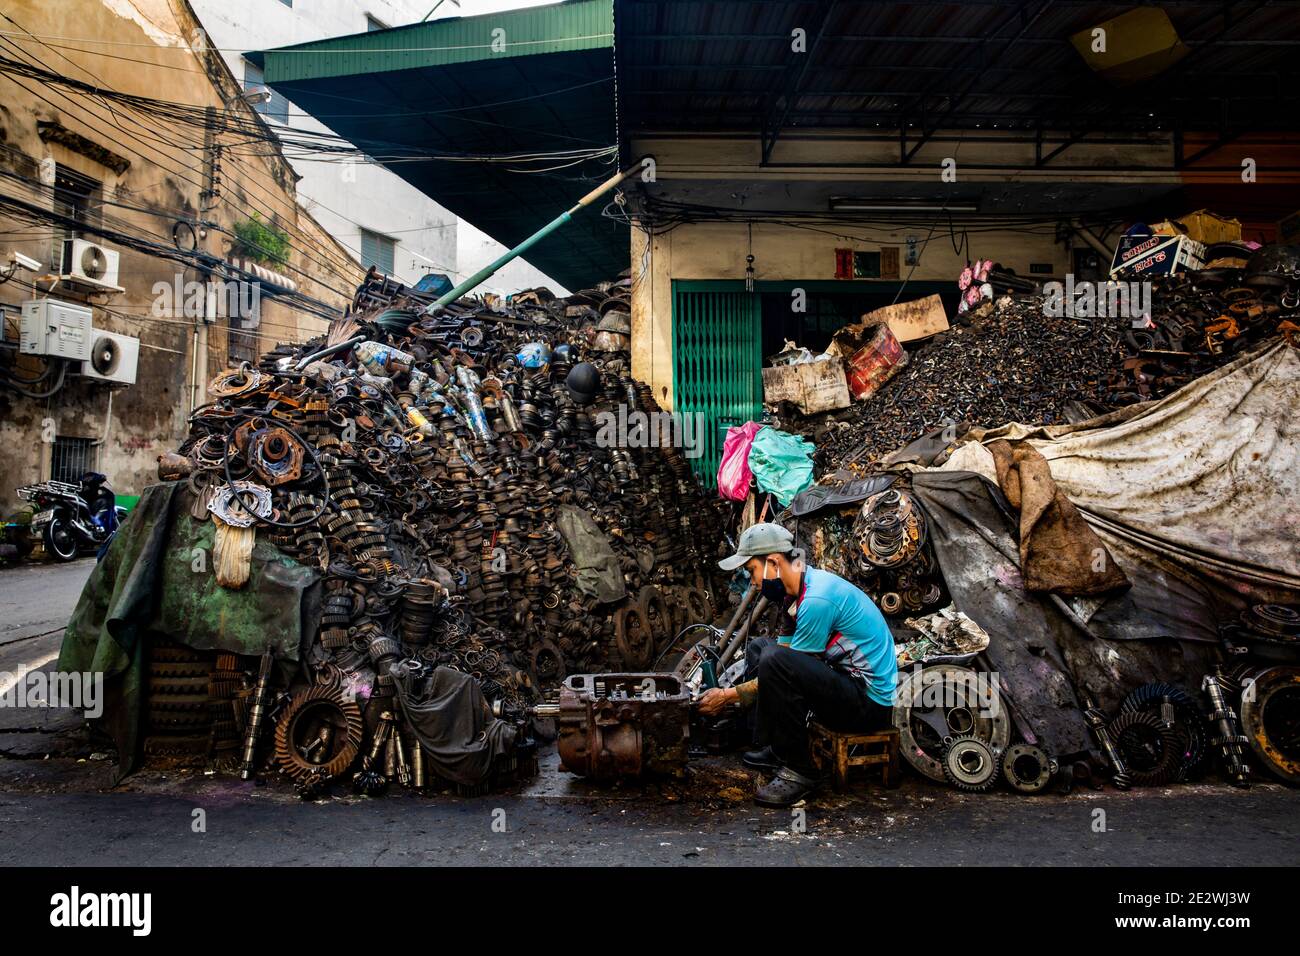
point(1027, 12)
point(778, 108)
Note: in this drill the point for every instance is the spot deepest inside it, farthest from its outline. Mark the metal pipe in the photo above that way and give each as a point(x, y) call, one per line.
point(746, 600)
point(729, 651)
point(489, 270)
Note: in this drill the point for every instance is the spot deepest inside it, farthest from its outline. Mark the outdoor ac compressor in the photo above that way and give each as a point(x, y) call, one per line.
point(54, 328)
point(113, 357)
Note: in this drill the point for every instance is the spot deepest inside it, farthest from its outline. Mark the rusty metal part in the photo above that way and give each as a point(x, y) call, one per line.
point(1270, 720)
point(257, 713)
point(1151, 747)
point(1097, 722)
point(1230, 740)
point(1027, 768)
point(241, 504)
point(238, 381)
point(319, 733)
point(173, 467)
point(276, 455)
point(633, 635)
point(623, 725)
point(941, 702)
point(1278, 621)
point(890, 529)
point(730, 649)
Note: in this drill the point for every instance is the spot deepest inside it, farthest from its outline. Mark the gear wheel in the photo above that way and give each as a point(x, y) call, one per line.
point(1028, 769)
point(1188, 721)
point(320, 730)
point(1152, 750)
point(970, 764)
point(944, 701)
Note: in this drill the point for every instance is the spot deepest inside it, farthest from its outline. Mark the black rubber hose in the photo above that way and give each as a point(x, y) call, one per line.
point(325, 483)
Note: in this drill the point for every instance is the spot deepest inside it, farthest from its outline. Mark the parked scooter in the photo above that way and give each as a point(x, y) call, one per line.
point(72, 518)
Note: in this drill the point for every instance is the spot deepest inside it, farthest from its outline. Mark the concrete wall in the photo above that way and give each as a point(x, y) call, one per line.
point(147, 53)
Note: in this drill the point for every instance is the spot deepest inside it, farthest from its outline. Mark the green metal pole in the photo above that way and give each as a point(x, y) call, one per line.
point(487, 271)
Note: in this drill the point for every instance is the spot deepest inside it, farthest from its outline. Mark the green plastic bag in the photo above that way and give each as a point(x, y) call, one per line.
point(782, 463)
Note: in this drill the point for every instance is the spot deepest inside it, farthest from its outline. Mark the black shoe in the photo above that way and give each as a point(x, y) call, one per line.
point(786, 789)
point(761, 759)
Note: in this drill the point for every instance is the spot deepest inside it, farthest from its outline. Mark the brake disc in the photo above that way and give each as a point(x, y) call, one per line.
point(946, 701)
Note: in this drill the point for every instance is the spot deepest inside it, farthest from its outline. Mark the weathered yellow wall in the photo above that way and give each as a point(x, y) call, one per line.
point(153, 48)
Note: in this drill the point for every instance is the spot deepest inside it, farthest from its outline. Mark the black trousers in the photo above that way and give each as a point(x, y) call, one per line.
point(793, 684)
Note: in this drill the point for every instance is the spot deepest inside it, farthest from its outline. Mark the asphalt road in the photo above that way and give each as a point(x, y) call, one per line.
point(35, 602)
point(921, 824)
point(36, 598)
point(58, 807)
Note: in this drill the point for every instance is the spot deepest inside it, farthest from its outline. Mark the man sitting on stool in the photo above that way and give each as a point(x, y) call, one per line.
point(839, 663)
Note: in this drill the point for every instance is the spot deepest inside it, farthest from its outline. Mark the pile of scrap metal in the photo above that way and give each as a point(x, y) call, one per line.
point(446, 472)
point(1201, 320)
point(1017, 359)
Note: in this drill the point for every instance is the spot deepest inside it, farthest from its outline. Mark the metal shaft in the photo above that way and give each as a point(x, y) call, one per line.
point(729, 649)
point(255, 714)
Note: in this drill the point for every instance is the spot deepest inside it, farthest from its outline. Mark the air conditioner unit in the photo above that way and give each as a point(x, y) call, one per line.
point(90, 264)
point(54, 328)
point(113, 357)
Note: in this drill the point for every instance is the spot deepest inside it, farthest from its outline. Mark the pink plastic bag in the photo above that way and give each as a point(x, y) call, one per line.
point(733, 470)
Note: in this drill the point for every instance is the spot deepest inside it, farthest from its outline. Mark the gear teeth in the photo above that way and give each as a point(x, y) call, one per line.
point(1167, 766)
point(992, 761)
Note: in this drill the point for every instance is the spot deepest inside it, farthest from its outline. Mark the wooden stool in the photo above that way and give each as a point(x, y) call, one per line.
point(877, 748)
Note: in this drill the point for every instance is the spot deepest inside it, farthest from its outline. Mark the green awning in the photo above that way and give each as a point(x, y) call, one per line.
point(535, 81)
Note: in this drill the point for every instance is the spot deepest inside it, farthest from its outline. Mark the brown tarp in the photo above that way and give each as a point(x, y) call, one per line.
point(1058, 551)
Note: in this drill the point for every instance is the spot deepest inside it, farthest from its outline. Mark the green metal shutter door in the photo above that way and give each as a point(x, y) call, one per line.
point(717, 362)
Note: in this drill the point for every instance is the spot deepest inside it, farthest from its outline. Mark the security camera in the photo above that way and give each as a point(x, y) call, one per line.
point(21, 261)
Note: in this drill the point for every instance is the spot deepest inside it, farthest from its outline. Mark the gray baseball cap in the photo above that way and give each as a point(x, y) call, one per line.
point(759, 540)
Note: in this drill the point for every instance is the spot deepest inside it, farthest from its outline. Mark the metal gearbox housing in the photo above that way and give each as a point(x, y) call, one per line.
point(623, 725)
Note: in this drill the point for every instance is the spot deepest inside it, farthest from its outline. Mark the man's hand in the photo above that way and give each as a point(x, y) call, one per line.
point(714, 700)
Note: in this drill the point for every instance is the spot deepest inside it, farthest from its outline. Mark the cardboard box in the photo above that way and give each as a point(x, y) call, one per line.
point(914, 320)
point(1203, 226)
point(1141, 256)
point(818, 386)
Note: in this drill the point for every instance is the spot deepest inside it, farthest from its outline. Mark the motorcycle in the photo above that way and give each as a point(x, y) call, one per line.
point(72, 518)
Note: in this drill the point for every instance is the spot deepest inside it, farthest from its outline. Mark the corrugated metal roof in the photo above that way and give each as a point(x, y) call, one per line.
point(729, 66)
point(561, 28)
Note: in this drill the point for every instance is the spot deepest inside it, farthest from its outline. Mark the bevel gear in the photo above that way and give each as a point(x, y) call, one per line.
point(319, 732)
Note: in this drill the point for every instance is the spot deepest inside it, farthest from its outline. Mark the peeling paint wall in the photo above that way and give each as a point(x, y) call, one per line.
point(148, 48)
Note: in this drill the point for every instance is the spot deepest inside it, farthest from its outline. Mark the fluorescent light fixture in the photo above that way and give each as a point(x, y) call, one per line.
point(854, 204)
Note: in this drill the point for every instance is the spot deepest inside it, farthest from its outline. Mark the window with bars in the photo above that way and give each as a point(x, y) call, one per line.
point(241, 344)
point(378, 251)
point(76, 196)
point(70, 458)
